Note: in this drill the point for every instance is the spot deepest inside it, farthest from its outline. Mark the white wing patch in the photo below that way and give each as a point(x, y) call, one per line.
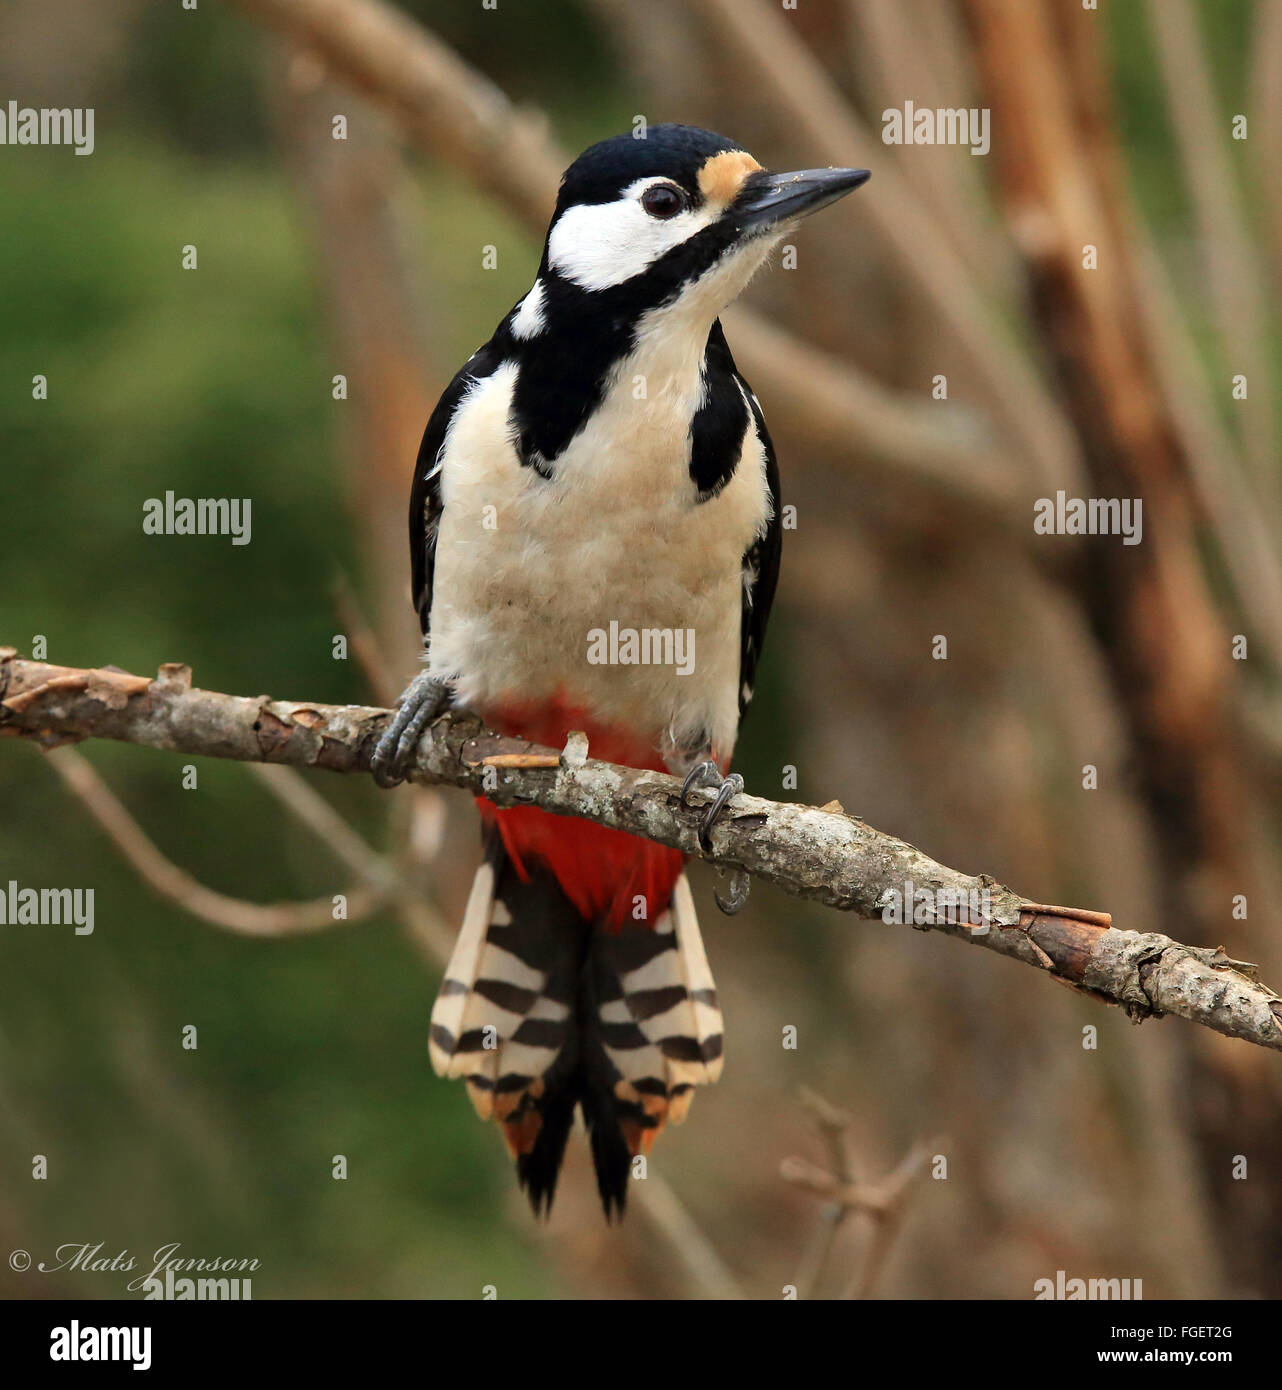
point(529, 320)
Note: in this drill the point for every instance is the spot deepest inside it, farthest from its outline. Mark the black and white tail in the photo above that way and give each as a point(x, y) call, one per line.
point(544, 1013)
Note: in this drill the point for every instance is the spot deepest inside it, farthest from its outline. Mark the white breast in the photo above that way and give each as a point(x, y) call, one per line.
point(527, 568)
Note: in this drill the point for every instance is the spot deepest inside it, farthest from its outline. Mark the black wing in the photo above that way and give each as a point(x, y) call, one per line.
point(760, 566)
point(425, 495)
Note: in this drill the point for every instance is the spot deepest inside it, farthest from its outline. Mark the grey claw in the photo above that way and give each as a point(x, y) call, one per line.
point(420, 703)
point(731, 787)
point(740, 884)
point(705, 774)
point(708, 774)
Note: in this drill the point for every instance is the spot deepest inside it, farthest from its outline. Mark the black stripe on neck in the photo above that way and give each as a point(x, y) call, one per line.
point(720, 424)
point(564, 368)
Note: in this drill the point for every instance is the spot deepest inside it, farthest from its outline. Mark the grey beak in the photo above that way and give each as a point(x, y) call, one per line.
point(768, 198)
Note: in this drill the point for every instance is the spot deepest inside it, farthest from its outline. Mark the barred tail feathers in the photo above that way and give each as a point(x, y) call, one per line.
point(543, 1013)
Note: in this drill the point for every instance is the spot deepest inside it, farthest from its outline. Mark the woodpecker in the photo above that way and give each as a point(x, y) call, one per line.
point(601, 467)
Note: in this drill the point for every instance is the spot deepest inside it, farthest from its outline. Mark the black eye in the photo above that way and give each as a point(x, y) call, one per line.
point(662, 200)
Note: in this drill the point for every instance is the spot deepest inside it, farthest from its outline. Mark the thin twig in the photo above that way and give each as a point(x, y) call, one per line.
point(883, 1203)
point(424, 925)
point(1265, 87)
point(889, 42)
point(176, 885)
point(362, 641)
point(1233, 277)
point(888, 1208)
point(669, 1214)
point(834, 1129)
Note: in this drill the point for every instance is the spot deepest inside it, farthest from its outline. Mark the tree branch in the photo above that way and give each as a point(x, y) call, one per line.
point(821, 854)
point(177, 886)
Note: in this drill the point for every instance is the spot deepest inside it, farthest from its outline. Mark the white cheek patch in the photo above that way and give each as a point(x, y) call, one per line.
point(597, 245)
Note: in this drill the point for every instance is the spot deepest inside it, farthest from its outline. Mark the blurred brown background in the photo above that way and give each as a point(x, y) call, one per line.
point(1111, 128)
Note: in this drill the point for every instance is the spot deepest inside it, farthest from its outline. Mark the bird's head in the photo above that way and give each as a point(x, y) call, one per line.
point(682, 217)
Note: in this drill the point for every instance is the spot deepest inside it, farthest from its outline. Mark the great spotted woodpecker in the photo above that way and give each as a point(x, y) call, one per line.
point(600, 467)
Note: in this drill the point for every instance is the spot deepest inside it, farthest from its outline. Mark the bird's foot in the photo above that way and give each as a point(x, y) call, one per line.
point(420, 702)
point(708, 774)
